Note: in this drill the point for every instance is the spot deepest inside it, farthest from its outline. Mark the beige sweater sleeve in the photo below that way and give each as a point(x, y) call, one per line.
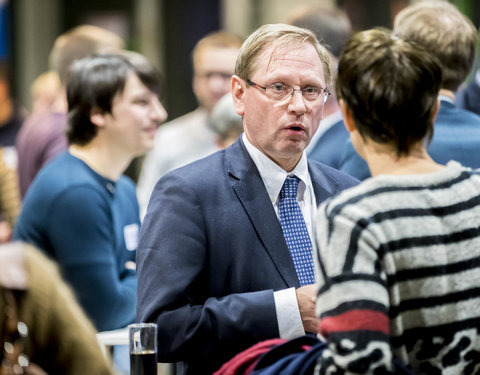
point(64, 339)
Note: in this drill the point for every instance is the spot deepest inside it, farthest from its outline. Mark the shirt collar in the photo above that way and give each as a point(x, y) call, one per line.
point(444, 98)
point(273, 176)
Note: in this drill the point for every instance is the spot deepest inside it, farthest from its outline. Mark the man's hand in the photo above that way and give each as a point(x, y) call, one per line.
point(306, 298)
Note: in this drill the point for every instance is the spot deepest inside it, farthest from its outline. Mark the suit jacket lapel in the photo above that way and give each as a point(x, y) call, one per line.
point(323, 187)
point(250, 190)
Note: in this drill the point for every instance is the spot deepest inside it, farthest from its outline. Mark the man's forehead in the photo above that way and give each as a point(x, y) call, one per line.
point(276, 56)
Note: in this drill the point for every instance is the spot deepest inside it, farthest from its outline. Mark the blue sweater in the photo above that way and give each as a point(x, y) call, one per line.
point(89, 225)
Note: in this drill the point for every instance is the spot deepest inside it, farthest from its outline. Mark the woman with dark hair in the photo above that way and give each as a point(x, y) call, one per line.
point(398, 255)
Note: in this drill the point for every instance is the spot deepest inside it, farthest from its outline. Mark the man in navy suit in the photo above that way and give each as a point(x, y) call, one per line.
point(469, 97)
point(215, 271)
point(451, 37)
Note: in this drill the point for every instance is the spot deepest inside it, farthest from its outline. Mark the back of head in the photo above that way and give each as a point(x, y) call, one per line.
point(277, 36)
point(80, 42)
point(93, 83)
point(331, 25)
point(444, 31)
point(225, 120)
point(390, 86)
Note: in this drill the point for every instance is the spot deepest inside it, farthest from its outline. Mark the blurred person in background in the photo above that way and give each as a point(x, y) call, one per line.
point(9, 200)
point(226, 122)
point(190, 136)
point(469, 97)
point(444, 31)
point(80, 209)
point(332, 27)
point(56, 336)
point(42, 136)
point(11, 119)
point(45, 92)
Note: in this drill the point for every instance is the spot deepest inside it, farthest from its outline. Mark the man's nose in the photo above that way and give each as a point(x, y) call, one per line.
point(297, 102)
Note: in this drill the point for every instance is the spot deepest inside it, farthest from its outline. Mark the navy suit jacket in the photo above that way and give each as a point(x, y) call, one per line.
point(211, 253)
point(456, 136)
point(469, 98)
point(329, 147)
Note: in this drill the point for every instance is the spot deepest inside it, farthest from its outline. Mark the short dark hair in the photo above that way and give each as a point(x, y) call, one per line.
point(390, 86)
point(93, 83)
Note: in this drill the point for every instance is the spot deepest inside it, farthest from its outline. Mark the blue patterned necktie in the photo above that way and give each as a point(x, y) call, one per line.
point(295, 231)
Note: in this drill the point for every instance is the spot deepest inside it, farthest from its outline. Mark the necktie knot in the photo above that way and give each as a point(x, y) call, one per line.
point(290, 187)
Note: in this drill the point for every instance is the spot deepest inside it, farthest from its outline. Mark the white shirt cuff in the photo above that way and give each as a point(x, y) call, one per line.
point(288, 315)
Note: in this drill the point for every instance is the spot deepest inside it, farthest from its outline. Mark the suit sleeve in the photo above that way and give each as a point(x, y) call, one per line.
point(175, 279)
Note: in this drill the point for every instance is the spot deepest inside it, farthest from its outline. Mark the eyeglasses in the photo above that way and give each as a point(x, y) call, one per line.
point(280, 91)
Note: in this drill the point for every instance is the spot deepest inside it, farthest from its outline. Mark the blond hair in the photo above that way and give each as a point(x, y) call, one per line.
point(216, 39)
point(445, 32)
point(80, 42)
point(279, 36)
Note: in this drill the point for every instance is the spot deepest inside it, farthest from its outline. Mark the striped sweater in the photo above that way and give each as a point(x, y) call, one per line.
point(398, 271)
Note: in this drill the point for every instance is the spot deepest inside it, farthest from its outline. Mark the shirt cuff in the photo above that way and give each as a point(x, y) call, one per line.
point(288, 315)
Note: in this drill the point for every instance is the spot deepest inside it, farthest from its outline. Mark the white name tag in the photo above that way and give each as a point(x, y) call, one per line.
point(130, 233)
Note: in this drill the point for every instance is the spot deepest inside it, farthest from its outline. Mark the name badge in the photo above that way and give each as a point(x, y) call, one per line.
point(130, 233)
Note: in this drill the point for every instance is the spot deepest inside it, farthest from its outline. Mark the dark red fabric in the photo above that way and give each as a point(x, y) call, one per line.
point(368, 320)
point(244, 362)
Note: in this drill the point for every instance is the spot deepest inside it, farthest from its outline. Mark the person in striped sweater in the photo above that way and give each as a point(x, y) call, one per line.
point(398, 259)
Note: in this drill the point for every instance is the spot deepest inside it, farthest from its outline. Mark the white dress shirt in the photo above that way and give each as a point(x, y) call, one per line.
point(288, 314)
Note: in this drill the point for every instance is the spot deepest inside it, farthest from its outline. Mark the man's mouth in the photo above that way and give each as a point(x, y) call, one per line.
point(296, 128)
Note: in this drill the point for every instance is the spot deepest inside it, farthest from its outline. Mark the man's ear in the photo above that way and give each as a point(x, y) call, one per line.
point(97, 117)
point(238, 92)
point(347, 117)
